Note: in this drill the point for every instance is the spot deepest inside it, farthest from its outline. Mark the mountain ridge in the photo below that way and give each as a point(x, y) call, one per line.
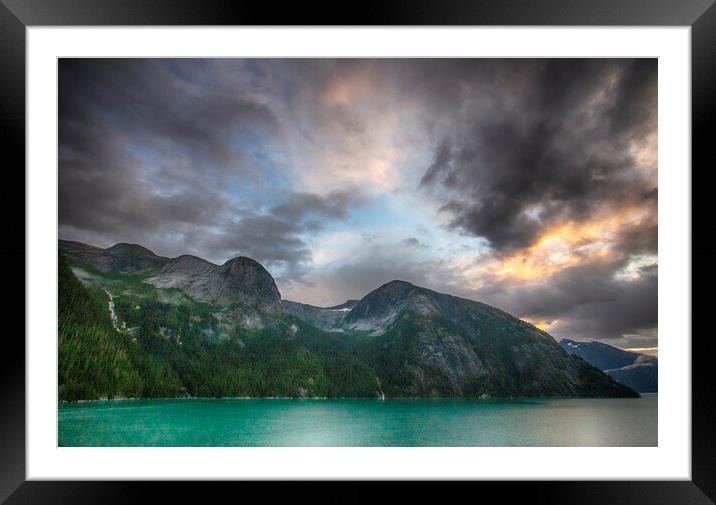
point(400, 340)
point(240, 279)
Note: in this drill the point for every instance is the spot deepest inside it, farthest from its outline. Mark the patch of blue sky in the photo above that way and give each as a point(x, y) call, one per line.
point(380, 214)
point(142, 152)
point(151, 157)
point(395, 219)
point(266, 186)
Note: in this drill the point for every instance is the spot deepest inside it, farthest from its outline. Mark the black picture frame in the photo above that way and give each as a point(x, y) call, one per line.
point(17, 15)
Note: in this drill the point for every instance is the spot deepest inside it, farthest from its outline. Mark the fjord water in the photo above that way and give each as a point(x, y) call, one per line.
point(311, 423)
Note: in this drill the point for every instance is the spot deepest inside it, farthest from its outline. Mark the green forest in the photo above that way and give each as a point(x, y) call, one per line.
point(171, 349)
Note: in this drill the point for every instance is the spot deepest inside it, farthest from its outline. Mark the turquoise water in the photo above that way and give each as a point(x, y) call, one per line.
point(424, 422)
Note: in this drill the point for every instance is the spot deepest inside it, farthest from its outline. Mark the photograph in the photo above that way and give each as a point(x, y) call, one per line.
point(414, 244)
point(315, 252)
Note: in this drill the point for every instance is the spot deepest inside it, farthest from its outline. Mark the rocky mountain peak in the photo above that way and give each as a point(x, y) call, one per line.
point(383, 301)
point(245, 280)
point(397, 284)
point(188, 265)
point(242, 262)
point(125, 248)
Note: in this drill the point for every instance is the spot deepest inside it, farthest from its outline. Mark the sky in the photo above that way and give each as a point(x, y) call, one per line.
point(530, 185)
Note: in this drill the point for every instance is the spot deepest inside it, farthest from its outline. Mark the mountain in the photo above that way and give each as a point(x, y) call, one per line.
point(185, 326)
point(434, 344)
point(638, 371)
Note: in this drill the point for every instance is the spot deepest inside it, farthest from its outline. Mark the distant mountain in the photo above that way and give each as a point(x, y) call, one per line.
point(185, 326)
point(126, 258)
point(347, 305)
point(638, 371)
point(325, 318)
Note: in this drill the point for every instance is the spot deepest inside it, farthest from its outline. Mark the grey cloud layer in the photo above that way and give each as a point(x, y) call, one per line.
point(333, 205)
point(152, 150)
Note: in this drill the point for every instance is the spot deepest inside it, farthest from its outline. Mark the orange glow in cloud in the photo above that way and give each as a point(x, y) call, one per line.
point(567, 245)
point(542, 325)
point(340, 92)
point(346, 89)
point(650, 351)
point(364, 145)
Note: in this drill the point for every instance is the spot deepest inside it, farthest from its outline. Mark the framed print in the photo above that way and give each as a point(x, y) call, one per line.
point(423, 243)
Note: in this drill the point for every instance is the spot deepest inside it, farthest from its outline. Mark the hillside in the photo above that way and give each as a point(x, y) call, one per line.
point(433, 344)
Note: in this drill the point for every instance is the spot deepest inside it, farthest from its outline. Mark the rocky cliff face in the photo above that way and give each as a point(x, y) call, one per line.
point(239, 280)
point(245, 280)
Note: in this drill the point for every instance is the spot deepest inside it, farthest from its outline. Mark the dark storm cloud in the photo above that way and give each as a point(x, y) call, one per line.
point(141, 149)
point(269, 240)
point(553, 144)
point(334, 205)
point(120, 202)
point(152, 105)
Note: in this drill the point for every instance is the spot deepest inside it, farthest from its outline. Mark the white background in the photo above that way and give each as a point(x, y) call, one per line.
point(671, 459)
